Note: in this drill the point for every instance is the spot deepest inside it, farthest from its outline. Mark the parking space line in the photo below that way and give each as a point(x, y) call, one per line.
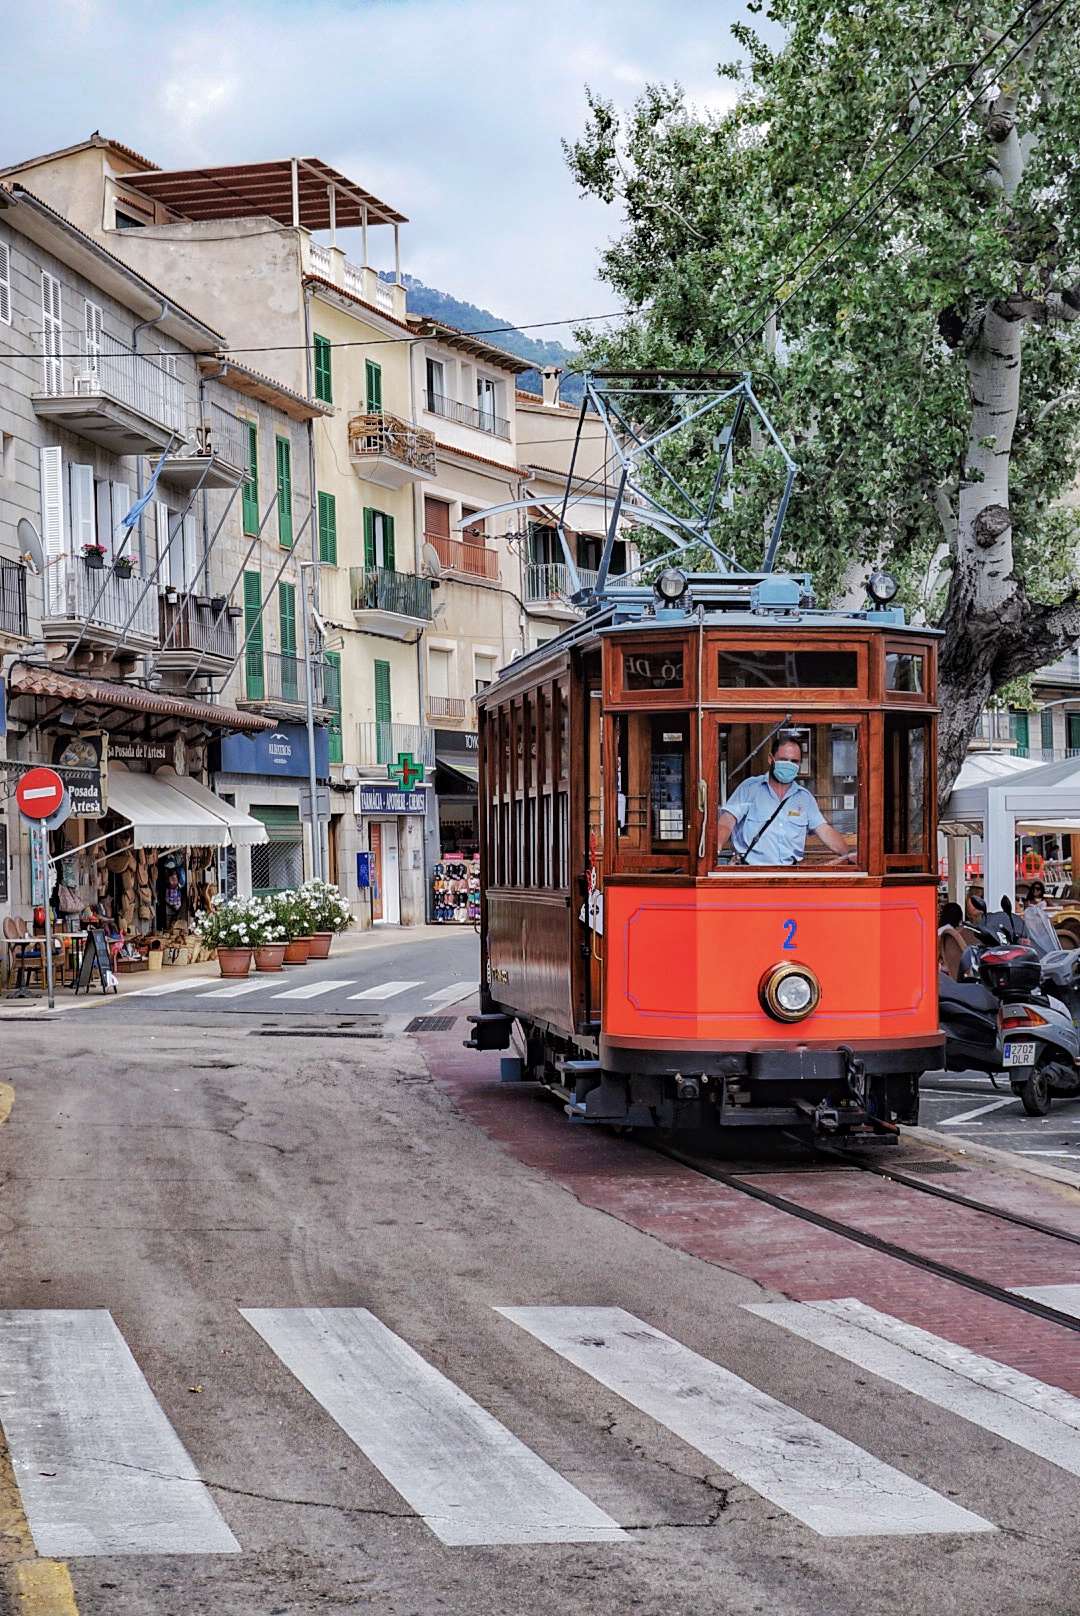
point(980, 1111)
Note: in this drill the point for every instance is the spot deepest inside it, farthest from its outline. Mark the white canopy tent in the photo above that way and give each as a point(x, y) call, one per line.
point(998, 796)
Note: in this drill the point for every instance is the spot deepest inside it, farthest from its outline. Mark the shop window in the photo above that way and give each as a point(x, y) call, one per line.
point(907, 759)
point(810, 670)
point(810, 822)
point(278, 864)
point(904, 673)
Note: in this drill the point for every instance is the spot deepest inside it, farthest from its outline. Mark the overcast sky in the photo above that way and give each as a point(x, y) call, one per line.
point(451, 110)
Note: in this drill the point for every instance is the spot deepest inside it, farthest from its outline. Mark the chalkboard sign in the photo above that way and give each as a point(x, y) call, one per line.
point(95, 957)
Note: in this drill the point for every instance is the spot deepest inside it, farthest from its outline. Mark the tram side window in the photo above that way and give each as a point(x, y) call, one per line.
point(907, 751)
point(809, 820)
point(652, 807)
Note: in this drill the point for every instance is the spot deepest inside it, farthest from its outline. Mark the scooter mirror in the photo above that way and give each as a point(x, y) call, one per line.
point(1006, 904)
point(977, 902)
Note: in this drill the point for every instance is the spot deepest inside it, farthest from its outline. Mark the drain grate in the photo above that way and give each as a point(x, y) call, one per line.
point(430, 1024)
point(923, 1167)
point(309, 1032)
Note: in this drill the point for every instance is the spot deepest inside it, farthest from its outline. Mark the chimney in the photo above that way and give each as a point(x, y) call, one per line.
point(549, 378)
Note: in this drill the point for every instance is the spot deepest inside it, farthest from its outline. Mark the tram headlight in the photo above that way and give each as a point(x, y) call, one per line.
point(882, 587)
point(671, 585)
point(789, 992)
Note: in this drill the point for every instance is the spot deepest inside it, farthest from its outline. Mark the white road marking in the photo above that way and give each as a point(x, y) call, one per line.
point(1041, 1418)
point(1069, 1153)
point(385, 990)
point(469, 1478)
point(99, 1467)
point(980, 1111)
point(1066, 1298)
point(170, 987)
point(451, 994)
point(829, 1483)
point(311, 990)
point(236, 990)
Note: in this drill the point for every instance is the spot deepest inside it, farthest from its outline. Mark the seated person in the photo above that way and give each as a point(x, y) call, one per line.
point(767, 817)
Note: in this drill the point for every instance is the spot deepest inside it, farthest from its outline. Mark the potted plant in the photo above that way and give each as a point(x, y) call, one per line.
point(225, 927)
point(292, 916)
point(94, 556)
point(328, 914)
point(218, 603)
point(124, 566)
point(267, 934)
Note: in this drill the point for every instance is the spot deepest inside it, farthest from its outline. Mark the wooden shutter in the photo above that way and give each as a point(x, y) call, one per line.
point(52, 336)
point(5, 283)
point(373, 386)
point(324, 382)
point(83, 519)
point(161, 512)
point(284, 488)
point(328, 529)
point(52, 524)
point(383, 708)
point(254, 678)
point(436, 517)
point(190, 541)
point(93, 331)
point(287, 618)
point(334, 736)
point(388, 543)
point(250, 491)
point(369, 539)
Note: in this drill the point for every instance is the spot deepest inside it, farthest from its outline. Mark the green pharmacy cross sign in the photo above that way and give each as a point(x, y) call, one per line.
point(406, 771)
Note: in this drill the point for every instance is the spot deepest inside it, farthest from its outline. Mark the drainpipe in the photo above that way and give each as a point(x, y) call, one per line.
point(144, 325)
point(318, 865)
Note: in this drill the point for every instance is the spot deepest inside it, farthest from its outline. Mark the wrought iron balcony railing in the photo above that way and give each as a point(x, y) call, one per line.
point(447, 707)
point(187, 625)
point(465, 555)
point(550, 581)
point(466, 415)
point(377, 589)
point(112, 369)
point(382, 743)
point(13, 614)
point(101, 598)
point(280, 680)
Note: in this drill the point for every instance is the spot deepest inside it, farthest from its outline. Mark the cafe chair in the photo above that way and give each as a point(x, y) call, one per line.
point(26, 956)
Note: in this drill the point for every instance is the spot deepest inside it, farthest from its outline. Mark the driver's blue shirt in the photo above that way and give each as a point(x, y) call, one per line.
point(753, 804)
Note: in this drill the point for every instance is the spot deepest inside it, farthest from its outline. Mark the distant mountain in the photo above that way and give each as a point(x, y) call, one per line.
point(467, 317)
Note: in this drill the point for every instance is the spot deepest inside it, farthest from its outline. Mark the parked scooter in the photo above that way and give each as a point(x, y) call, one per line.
point(1039, 986)
point(968, 1009)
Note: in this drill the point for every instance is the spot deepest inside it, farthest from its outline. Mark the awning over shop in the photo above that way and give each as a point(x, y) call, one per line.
point(244, 831)
point(457, 773)
point(97, 698)
point(1017, 799)
point(162, 813)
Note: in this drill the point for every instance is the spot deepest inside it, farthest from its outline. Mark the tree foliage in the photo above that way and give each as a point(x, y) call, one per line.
point(897, 350)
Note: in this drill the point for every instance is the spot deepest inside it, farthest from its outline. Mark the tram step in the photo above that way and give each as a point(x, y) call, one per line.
point(578, 1068)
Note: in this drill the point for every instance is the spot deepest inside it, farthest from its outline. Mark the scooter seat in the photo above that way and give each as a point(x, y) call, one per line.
point(967, 995)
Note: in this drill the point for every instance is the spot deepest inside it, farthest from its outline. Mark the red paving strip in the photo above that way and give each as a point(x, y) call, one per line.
point(716, 1223)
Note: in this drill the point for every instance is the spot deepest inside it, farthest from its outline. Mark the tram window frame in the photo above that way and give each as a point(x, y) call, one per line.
point(927, 696)
point(561, 778)
point(726, 643)
point(896, 793)
point(731, 653)
point(632, 743)
point(667, 649)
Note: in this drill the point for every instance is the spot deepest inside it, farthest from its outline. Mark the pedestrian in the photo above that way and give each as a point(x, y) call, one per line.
point(1036, 896)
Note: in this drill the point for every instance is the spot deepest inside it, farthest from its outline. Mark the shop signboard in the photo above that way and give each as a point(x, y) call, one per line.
point(389, 800)
point(80, 761)
point(282, 751)
point(456, 740)
point(141, 751)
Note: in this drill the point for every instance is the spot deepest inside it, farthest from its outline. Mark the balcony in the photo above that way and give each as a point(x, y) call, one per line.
point(466, 415)
point(463, 555)
point(390, 452)
point(547, 585)
point(102, 606)
point(382, 743)
point(1065, 671)
point(114, 397)
point(219, 458)
point(277, 685)
point(197, 633)
point(440, 707)
point(14, 621)
point(393, 603)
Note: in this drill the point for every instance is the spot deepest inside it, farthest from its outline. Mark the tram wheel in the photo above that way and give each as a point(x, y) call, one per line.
point(1035, 1094)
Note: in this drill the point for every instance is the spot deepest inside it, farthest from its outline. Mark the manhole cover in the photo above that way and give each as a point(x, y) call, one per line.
point(430, 1024)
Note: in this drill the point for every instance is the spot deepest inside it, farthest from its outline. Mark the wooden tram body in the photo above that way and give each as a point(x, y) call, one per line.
point(639, 966)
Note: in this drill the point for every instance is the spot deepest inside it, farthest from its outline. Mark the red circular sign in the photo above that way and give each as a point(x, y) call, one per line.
point(39, 793)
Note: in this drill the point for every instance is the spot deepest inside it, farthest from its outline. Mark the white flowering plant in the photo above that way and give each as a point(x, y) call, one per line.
point(239, 923)
point(325, 907)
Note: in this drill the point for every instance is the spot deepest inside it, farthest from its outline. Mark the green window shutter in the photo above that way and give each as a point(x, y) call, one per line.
point(369, 538)
point(284, 489)
point(254, 674)
point(328, 529)
point(388, 543)
point(373, 381)
point(324, 386)
point(1018, 725)
point(250, 494)
point(1047, 727)
point(382, 693)
point(290, 667)
point(334, 659)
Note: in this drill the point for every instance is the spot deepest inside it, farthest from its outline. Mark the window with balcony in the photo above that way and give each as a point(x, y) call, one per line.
point(284, 493)
point(484, 671)
point(440, 677)
point(324, 386)
point(52, 332)
point(328, 529)
point(436, 380)
point(373, 387)
point(486, 400)
point(93, 334)
point(249, 494)
point(378, 540)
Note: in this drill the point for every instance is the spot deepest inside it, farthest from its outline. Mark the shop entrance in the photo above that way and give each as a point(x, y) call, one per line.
point(385, 892)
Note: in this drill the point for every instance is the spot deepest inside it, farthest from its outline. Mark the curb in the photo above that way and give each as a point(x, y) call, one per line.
point(974, 1151)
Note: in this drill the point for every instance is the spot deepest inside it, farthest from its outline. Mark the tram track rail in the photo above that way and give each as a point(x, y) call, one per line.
point(888, 1248)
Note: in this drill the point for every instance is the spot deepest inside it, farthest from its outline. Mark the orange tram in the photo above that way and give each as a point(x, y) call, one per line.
point(670, 959)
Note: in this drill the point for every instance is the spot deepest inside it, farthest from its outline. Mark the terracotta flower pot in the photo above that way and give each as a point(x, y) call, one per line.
point(234, 961)
point(296, 950)
point(269, 956)
point(320, 944)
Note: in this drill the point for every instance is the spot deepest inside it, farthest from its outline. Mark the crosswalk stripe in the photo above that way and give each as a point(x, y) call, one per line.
point(1066, 1298)
point(467, 1476)
point(1042, 1419)
point(169, 987)
point(825, 1481)
point(385, 990)
point(99, 1467)
point(451, 993)
point(237, 990)
point(311, 990)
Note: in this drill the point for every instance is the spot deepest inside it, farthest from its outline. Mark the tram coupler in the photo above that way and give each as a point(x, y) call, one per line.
point(490, 1031)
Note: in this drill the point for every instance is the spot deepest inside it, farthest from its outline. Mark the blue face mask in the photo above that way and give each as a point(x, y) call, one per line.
point(786, 770)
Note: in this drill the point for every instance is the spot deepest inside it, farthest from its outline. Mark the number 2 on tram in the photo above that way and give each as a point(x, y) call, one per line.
point(682, 934)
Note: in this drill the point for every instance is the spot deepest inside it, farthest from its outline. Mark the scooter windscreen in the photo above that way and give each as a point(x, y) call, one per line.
point(1040, 929)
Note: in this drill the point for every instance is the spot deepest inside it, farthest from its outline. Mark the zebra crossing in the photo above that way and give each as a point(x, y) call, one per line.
point(101, 1470)
point(209, 989)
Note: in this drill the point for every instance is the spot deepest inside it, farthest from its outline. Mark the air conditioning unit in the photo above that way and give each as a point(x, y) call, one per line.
point(350, 774)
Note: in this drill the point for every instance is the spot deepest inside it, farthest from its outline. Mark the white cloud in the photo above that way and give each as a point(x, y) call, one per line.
point(453, 110)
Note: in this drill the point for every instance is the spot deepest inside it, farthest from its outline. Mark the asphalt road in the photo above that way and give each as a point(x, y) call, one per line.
point(966, 1104)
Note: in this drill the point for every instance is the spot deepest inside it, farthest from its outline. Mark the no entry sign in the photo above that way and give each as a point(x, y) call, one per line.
point(39, 794)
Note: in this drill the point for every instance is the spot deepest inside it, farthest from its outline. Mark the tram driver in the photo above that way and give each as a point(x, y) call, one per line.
point(767, 817)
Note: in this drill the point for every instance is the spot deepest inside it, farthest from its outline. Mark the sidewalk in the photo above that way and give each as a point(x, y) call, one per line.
point(348, 943)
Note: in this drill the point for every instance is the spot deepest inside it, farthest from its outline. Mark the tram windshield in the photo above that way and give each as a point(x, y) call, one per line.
point(788, 795)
